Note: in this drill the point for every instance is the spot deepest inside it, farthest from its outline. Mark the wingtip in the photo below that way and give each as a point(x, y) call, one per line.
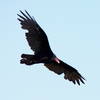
point(18, 18)
point(78, 82)
point(20, 11)
point(18, 15)
point(31, 17)
point(74, 82)
point(25, 11)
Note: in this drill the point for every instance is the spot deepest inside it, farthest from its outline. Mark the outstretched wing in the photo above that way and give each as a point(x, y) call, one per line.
point(36, 37)
point(70, 73)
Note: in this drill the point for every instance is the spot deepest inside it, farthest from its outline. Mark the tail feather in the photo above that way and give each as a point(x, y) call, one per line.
point(28, 59)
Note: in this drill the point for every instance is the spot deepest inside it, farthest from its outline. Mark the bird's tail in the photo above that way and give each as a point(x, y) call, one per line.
point(28, 59)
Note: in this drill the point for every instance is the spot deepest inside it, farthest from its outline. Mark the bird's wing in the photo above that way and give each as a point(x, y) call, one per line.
point(70, 73)
point(36, 37)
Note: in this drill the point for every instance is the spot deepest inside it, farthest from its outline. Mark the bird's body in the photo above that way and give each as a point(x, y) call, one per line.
point(38, 41)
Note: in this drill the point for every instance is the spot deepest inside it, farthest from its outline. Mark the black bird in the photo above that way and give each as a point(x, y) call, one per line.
point(38, 42)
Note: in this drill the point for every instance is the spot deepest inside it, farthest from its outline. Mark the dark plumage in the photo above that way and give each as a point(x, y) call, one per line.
point(38, 42)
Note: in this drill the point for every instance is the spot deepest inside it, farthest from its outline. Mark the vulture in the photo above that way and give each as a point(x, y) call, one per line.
point(38, 42)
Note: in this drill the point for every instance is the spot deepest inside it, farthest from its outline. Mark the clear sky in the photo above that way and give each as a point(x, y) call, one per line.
point(73, 29)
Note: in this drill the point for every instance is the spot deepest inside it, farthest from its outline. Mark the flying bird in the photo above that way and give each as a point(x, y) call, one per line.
point(38, 41)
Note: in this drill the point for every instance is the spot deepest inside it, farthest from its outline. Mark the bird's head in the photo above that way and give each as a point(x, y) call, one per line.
point(54, 58)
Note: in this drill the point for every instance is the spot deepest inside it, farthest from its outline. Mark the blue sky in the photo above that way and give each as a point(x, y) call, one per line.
point(73, 29)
